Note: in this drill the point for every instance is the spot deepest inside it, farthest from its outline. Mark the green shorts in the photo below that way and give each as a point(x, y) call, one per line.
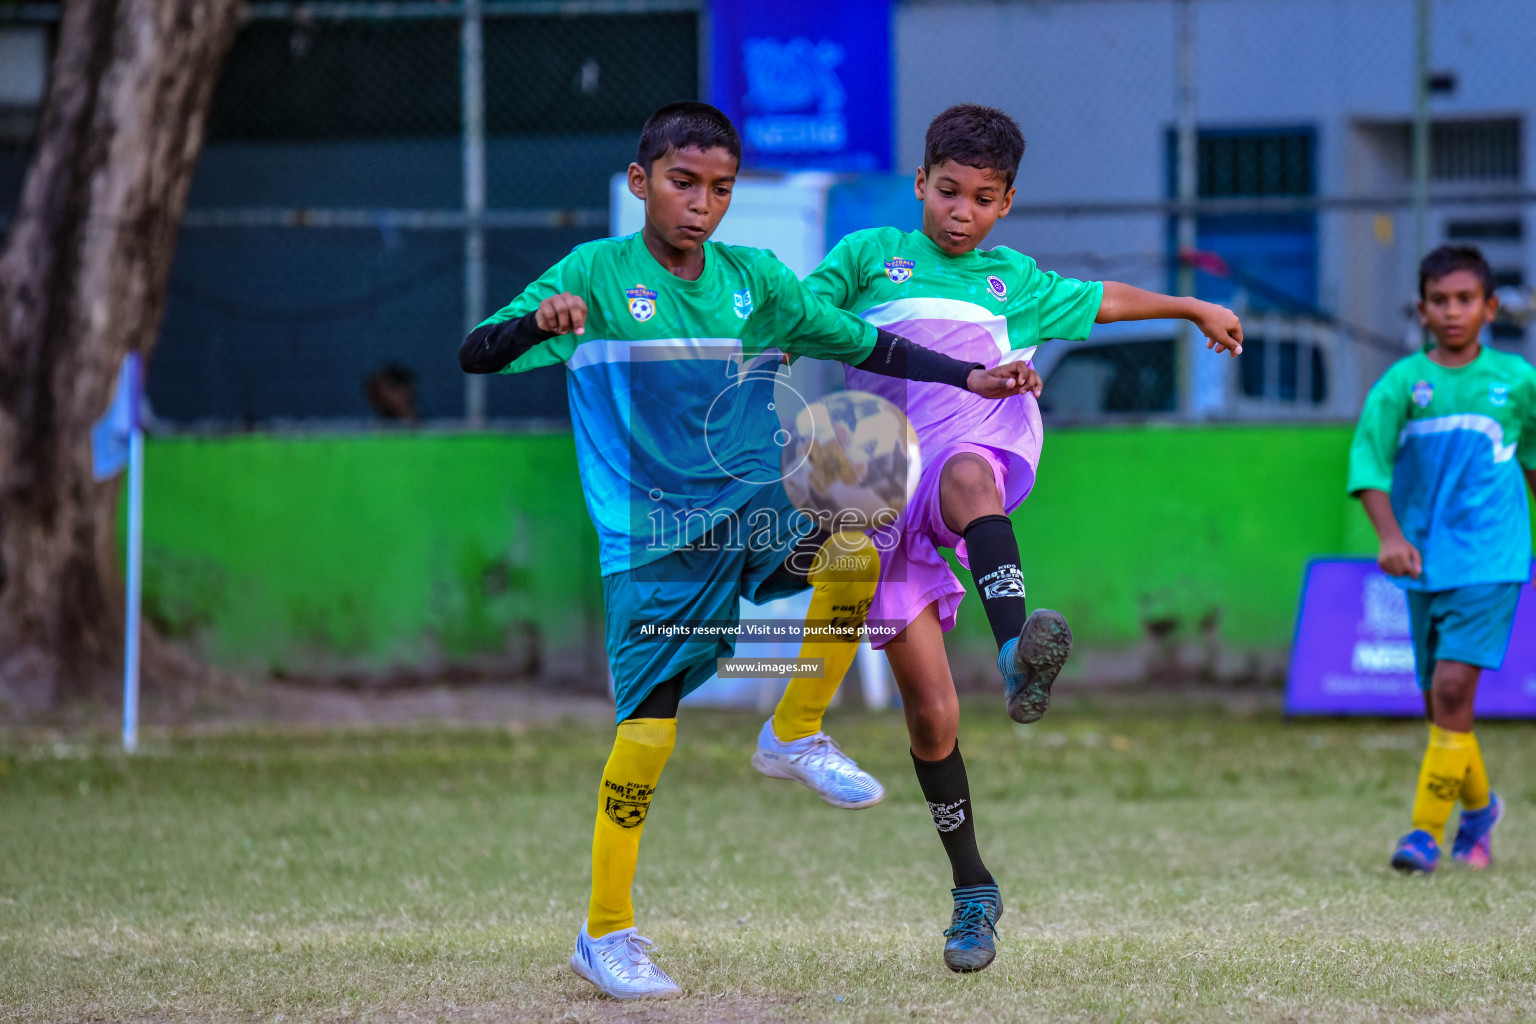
point(1469, 624)
point(701, 586)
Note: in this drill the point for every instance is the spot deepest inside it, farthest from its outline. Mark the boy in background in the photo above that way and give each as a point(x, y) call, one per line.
point(1436, 461)
point(685, 491)
point(939, 288)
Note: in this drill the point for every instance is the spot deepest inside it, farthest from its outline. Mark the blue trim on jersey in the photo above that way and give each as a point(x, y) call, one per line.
point(1460, 498)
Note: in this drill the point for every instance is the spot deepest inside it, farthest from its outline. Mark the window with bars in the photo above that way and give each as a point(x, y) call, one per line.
point(1283, 370)
point(1475, 150)
point(1255, 164)
point(1248, 162)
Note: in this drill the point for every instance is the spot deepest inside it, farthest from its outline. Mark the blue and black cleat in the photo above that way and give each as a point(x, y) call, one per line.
point(972, 930)
point(1031, 662)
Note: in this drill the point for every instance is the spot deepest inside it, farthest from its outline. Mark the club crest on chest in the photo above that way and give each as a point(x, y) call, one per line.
point(642, 302)
point(898, 270)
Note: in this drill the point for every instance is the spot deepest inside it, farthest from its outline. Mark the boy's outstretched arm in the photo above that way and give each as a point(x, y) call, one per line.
point(895, 356)
point(1398, 557)
point(1221, 327)
point(491, 348)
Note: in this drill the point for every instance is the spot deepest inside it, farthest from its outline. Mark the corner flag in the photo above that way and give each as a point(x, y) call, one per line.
point(118, 439)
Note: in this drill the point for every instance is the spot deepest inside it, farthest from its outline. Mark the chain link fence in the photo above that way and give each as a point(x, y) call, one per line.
point(339, 235)
point(364, 181)
point(1301, 191)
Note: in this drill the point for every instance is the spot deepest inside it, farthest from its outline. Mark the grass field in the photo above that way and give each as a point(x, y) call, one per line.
point(1162, 860)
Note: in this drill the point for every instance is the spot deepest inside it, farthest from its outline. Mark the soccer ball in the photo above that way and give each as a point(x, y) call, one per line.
point(852, 461)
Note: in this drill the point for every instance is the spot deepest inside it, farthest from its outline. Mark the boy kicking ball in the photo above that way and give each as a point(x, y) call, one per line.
point(684, 491)
point(1436, 461)
point(939, 287)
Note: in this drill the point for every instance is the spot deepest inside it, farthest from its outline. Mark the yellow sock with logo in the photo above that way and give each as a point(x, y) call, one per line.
point(844, 577)
point(640, 751)
point(1474, 788)
point(1440, 779)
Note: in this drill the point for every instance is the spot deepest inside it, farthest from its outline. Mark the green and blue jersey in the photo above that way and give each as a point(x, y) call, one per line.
point(1449, 445)
point(672, 384)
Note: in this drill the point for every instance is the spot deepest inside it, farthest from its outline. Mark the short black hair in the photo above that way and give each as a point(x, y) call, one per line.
point(977, 136)
point(684, 125)
point(1448, 259)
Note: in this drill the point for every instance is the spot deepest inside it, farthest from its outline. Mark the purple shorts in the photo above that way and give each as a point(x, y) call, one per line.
point(913, 574)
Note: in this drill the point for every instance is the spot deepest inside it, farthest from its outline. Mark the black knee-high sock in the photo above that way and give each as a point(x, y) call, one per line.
point(948, 793)
point(994, 558)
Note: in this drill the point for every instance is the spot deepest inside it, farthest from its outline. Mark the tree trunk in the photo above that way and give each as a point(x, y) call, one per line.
point(82, 282)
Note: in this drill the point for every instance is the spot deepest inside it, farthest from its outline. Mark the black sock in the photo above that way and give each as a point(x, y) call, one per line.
point(994, 558)
point(948, 793)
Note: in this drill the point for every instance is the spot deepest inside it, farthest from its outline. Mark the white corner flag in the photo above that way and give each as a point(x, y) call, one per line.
point(117, 439)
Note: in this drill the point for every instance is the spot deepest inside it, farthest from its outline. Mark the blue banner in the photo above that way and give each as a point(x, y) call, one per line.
point(807, 82)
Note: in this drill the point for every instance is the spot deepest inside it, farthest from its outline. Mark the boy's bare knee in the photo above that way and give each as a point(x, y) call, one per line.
point(1452, 694)
point(968, 473)
point(934, 723)
point(969, 489)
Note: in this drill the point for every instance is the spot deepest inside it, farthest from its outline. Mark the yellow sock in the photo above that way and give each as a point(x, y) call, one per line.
point(1440, 779)
point(1474, 788)
point(844, 578)
point(640, 751)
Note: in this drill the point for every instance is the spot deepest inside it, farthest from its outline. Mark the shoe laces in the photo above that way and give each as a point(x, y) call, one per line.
point(630, 955)
point(970, 918)
point(823, 752)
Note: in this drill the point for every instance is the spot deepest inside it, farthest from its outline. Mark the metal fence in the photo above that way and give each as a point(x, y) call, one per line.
point(378, 175)
point(1300, 153)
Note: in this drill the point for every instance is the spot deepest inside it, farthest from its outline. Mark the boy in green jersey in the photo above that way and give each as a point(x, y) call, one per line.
point(938, 287)
point(665, 337)
point(1437, 461)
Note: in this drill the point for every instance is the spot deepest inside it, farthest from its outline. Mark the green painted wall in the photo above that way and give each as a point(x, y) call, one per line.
point(1176, 524)
point(327, 553)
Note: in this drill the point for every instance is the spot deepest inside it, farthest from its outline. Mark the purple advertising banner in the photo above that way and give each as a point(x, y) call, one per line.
point(1353, 654)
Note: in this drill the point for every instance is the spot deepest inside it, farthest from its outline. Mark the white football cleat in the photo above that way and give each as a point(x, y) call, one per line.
point(620, 966)
point(817, 762)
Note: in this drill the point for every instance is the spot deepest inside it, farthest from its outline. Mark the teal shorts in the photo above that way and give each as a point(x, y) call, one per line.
point(700, 586)
point(1471, 625)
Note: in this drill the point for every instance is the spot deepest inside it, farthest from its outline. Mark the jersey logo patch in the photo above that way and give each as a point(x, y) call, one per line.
point(742, 301)
point(996, 286)
point(898, 270)
point(1498, 394)
point(642, 302)
point(1423, 394)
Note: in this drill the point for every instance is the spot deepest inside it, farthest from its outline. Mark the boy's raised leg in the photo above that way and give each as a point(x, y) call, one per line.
point(610, 952)
point(1031, 648)
point(843, 573)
